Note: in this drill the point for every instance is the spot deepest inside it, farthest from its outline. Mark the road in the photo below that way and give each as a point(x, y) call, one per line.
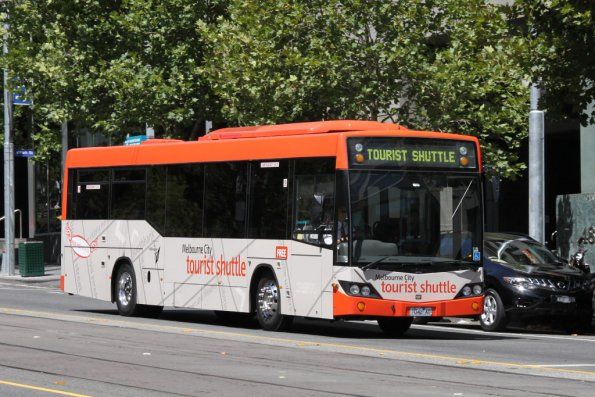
point(53, 344)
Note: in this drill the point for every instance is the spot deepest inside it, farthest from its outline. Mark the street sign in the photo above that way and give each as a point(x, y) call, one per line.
point(18, 97)
point(24, 153)
point(135, 140)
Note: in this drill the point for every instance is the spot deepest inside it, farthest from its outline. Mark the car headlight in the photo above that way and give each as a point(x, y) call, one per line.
point(533, 282)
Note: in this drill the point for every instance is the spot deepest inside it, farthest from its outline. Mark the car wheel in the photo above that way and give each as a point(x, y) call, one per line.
point(268, 306)
point(395, 326)
point(493, 317)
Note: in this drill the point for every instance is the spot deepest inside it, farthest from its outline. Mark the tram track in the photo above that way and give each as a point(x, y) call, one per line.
point(271, 364)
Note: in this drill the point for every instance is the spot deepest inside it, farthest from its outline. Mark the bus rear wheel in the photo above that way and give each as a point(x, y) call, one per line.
point(126, 293)
point(395, 326)
point(268, 305)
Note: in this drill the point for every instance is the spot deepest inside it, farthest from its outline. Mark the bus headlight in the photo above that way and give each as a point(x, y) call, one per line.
point(467, 290)
point(364, 290)
point(477, 290)
point(354, 289)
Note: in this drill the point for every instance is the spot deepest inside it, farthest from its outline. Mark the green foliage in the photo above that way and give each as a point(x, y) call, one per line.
point(560, 37)
point(442, 65)
point(115, 65)
point(447, 65)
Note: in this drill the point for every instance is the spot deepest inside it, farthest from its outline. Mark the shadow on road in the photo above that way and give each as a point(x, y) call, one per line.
point(302, 326)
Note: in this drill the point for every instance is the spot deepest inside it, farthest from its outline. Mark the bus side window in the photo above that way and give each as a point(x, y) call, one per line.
point(92, 194)
point(184, 200)
point(314, 201)
point(225, 200)
point(156, 193)
point(268, 199)
point(128, 193)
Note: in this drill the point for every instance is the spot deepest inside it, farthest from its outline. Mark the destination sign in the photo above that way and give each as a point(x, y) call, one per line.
point(411, 152)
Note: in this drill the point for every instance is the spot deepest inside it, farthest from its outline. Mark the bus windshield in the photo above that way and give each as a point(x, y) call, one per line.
point(407, 217)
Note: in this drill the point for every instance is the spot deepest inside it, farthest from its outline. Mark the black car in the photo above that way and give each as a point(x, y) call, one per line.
point(525, 281)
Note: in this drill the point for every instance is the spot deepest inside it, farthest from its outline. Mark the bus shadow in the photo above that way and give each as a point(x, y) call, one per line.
point(314, 327)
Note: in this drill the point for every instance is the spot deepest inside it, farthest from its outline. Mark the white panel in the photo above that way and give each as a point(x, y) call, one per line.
point(152, 292)
point(188, 295)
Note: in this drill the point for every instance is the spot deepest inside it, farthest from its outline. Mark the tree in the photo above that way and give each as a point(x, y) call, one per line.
point(113, 66)
point(561, 53)
point(443, 64)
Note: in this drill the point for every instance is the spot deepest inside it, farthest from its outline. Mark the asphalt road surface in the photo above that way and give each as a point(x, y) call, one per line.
point(58, 345)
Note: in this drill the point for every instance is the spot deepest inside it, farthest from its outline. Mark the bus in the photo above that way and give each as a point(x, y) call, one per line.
point(351, 220)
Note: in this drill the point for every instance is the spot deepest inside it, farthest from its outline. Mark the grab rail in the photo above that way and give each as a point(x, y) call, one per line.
point(20, 221)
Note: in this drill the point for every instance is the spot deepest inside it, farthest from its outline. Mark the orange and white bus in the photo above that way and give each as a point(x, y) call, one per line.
point(331, 220)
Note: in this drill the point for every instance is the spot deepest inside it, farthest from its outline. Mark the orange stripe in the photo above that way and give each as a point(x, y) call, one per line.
point(344, 305)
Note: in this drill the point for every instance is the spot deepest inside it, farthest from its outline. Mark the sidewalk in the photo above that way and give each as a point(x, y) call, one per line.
point(52, 273)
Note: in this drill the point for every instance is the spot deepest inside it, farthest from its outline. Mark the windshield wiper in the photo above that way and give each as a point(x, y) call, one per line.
point(462, 198)
point(467, 264)
point(369, 265)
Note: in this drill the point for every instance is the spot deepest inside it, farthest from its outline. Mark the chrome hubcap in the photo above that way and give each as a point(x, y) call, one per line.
point(490, 309)
point(125, 289)
point(268, 300)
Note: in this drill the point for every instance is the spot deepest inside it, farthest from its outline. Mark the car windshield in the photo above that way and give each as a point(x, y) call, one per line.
point(521, 251)
point(402, 217)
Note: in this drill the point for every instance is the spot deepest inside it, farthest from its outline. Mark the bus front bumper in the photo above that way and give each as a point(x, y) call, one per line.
point(345, 306)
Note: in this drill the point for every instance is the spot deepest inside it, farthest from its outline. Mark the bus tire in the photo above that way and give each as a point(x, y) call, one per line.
point(268, 305)
point(395, 326)
point(493, 318)
point(125, 291)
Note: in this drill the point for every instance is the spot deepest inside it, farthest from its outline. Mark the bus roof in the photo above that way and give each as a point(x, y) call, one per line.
point(297, 140)
point(318, 127)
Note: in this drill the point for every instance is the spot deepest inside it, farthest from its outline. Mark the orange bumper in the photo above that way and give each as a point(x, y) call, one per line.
point(345, 306)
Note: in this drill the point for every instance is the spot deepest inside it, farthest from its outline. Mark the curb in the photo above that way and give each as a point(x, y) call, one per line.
point(27, 280)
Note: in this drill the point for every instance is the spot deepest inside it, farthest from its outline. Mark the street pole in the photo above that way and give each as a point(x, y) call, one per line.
point(64, 133)
point(8, 261)
point(536, 169)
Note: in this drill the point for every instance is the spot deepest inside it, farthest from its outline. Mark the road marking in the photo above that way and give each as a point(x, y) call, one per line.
point(320, 346)
point(505, 334)
point(44, 389)
point(563, 365)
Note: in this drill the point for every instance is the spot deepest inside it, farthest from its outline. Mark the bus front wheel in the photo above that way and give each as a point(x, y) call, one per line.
point(268, 305)
point(395, 326)
point(126, 292)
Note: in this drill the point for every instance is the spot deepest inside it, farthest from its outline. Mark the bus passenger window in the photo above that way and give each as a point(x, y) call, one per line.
point(268, 199)
point(128, 194)
point(314, 201)
point(92, 194)
point(225, 200)
point(184, 200)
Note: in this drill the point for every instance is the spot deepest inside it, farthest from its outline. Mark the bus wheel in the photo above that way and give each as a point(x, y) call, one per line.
point(395, 326)
point(126, 295)
point(493, 317)
point(126, 291)
point(268, 306)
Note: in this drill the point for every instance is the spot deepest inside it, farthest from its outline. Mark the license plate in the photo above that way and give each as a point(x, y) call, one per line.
point(565, 299)
point(420, 311)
